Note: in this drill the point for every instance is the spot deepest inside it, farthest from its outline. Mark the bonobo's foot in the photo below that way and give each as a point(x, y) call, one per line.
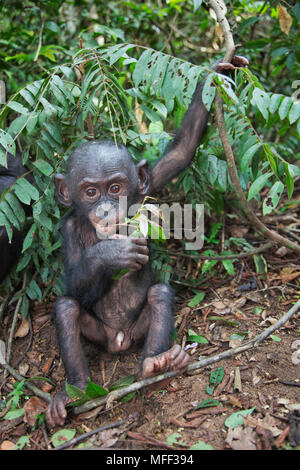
point(174, 359)
point(56, 412)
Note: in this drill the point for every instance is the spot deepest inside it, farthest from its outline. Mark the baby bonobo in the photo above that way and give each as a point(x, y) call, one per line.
point(117, 313)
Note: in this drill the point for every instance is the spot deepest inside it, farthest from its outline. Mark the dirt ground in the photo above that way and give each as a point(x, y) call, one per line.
point(266, 378)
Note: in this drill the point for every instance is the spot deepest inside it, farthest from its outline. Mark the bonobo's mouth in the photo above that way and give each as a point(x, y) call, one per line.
point(104, 231)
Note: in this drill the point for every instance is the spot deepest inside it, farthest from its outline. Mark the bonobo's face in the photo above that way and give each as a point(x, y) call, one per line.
point(98, 175)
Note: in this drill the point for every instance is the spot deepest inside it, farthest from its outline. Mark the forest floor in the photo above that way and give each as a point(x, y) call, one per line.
point(262, 382)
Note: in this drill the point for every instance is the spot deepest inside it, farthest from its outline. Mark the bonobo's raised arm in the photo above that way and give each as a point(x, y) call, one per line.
point(182, 150)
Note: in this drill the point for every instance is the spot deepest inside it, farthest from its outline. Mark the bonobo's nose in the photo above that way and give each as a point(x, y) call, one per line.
point(105, 210)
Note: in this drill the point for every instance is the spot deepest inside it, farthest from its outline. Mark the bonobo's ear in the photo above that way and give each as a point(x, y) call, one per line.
point(143, 172)
point(62, 191)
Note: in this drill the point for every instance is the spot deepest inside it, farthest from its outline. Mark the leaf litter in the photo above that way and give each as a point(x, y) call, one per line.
point(191, 411)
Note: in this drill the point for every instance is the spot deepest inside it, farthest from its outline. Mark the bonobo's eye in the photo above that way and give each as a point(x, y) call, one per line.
point(91, 192)
point(115, 188)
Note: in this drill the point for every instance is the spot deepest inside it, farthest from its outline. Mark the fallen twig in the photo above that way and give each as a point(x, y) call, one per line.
point(71, 442)
point(117, 394)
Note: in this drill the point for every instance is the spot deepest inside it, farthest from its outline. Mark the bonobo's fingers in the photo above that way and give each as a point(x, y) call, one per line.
point(56, 412)
point(237, 61)
point(240, 61)
point(140, 241)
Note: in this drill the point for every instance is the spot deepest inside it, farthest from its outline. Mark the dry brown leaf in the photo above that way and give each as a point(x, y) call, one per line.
point(241, 438)
point(23, 329)
point(238, 231)
point(285, 19)
point(47, 365)
point(289, 274)
point(268, 423)
point(282, 251)
point(23, 369)
point(107, 438)
point(33, 407)
point(234, 401)
point(7, 445)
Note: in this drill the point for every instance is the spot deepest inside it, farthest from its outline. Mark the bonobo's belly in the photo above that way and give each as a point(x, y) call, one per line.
point(121, 305)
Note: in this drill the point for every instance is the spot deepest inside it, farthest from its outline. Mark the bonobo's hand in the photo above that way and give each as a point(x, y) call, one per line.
point(56, 412)
point(121, 252)
point(237, 61)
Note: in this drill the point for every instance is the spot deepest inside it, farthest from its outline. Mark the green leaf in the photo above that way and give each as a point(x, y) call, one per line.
point(294, 112)
point(13, 414)
point(8, 143)
point(141, 66)
point(34, 292)
point(94, 390)
point(260, 264)
point(285, 107)
point(297, 11)
point(236, 419)
point(44, 167)
point(18, 107)
point(245, 160)
point(197, 4)
point(29, 238)
point(289, 181)
point(271, 201)
point(26, 188)
point(228, 265)
point(194, 338)
point(121, 52)
point(258, 184)
point(274, 102)
point(196, 299)
point(74, 392)
point(206, 403)
point(275, 338)
point(6, 209)
point(208, 92)
point(62, 436)
point(200, 445)
point(174, 439)
point(122, 382)
point(262, 100)
point(222, 174)
point(216, 377)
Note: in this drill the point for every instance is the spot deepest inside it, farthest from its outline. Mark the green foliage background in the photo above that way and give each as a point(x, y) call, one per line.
point(76, 70)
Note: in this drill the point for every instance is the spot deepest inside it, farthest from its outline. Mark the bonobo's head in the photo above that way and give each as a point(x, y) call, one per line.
point(98, 174)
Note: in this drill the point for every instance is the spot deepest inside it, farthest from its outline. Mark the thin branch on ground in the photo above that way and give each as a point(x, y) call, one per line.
point(89, 434)
point(255, 342)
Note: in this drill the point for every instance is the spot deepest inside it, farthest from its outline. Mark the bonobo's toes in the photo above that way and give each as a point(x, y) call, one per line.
point(174, 359)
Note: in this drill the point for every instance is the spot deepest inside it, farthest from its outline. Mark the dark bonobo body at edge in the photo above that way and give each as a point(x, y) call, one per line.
point(134, 308)
point(10, 252)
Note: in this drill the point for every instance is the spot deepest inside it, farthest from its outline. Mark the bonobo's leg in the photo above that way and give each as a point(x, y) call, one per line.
point(157, 323)
point(67, 312)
